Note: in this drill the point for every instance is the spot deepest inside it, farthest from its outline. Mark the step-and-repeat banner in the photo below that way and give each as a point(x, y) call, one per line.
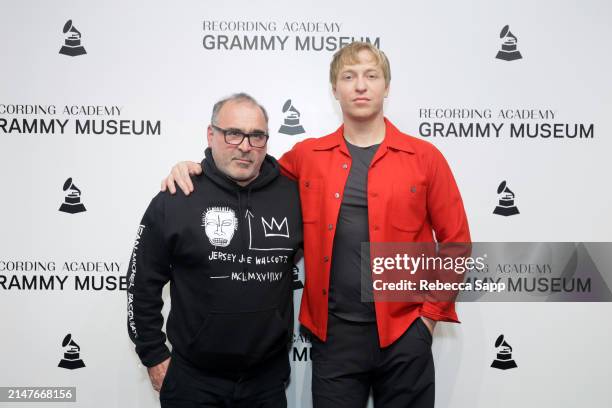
point(99, 99)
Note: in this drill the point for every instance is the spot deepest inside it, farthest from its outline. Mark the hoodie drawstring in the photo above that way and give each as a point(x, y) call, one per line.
point(243, 235)
point(249, 199)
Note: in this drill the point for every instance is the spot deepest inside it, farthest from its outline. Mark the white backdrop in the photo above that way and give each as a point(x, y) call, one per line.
point(149, 59)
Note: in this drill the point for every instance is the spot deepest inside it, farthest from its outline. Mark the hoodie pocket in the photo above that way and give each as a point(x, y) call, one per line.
point(236, 340)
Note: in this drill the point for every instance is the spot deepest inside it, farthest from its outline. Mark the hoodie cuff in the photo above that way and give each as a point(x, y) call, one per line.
point(153, 357)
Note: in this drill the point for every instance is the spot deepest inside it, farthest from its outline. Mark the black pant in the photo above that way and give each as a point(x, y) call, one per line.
point(350, 362)
point(186, 386)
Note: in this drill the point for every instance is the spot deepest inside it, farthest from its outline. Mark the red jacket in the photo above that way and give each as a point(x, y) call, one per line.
point(411, 194)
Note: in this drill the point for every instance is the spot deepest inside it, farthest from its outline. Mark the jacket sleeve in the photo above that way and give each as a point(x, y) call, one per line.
point(148, 272)
point(449, 222)
point(290, 166)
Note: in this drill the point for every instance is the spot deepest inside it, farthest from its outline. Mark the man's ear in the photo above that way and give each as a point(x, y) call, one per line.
point(209, 134)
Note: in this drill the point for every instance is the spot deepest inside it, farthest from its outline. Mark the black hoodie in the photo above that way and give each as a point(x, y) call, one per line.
point(228, 252)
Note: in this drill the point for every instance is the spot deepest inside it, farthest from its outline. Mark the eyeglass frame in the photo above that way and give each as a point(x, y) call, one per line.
point(244, 134)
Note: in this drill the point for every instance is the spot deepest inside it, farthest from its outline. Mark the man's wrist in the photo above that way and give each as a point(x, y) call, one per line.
point(430, 323)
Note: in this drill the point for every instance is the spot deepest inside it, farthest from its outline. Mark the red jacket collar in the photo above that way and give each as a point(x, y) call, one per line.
point(394, 139)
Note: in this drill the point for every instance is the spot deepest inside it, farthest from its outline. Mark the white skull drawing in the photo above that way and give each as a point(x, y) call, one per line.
point(219, 224)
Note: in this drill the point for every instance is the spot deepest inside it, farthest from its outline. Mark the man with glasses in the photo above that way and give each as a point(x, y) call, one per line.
point(228, 255)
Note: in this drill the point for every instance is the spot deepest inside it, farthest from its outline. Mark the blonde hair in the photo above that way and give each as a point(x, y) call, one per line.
point(348, 55)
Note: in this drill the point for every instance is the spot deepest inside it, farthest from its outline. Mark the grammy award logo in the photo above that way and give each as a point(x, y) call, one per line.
point(508, 50)
point(72, 359)
point(72, 43)
point(72, 201)
point(297, 283)
point(291, 124)
point(506, 205)
point(504, 359)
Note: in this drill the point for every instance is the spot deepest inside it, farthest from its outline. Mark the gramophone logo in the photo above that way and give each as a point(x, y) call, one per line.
point(291, 124)
point(297, 283)
point(506, 205)
point(504, 359)
point(72, 201)
point(508, 50)
point(72, 43)
point(72, 359)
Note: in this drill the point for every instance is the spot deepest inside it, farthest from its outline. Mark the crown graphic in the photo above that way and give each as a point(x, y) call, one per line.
point(274, 229)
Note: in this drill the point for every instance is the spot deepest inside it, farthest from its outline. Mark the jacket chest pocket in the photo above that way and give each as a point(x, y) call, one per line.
point(311, 196)
point(408, 206)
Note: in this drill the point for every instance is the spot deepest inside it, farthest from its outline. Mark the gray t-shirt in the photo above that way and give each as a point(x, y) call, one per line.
point(345, 287)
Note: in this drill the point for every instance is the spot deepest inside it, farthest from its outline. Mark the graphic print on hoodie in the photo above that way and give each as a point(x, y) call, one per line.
point(228, 254)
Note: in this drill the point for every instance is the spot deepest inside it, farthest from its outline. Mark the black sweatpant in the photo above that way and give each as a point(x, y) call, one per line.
point(351, 362)
point(186, 386)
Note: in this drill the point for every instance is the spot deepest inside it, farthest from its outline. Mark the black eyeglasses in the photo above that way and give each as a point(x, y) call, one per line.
point(236, 136)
